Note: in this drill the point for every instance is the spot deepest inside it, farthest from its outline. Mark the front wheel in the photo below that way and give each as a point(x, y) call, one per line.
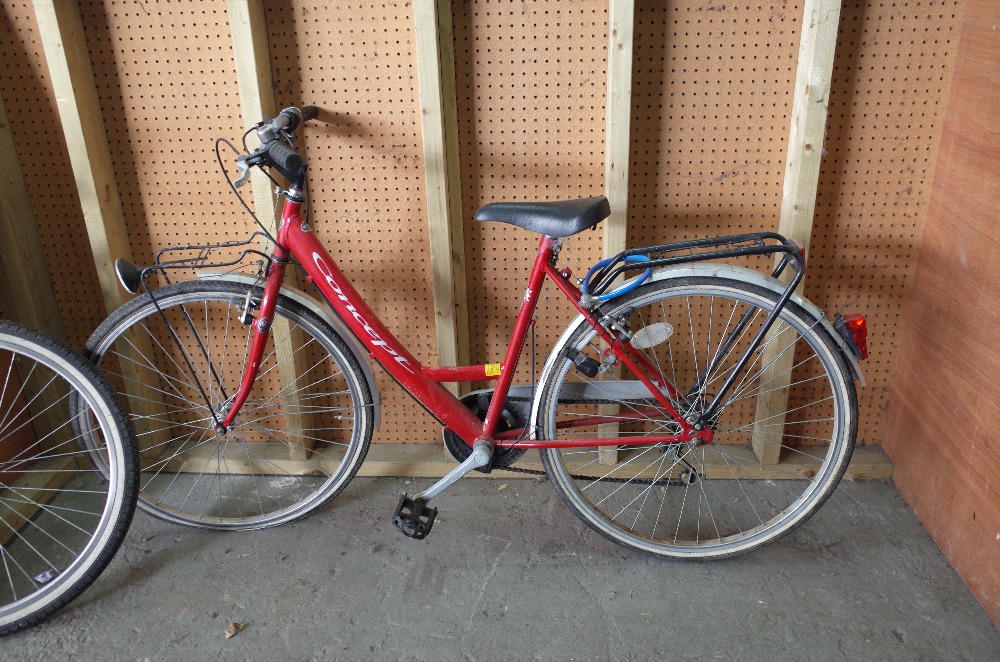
point(777, 452)
point(177, 363)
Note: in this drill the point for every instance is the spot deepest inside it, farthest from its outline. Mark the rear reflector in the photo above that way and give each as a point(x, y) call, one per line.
point(854, 330)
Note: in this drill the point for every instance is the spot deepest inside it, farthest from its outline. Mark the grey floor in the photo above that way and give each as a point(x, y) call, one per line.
point(509, 574)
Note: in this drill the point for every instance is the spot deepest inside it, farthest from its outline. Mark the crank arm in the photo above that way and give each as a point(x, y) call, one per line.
point(482, 453)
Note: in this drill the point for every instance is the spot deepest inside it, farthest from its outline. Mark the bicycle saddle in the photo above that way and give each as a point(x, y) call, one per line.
point(553, 219)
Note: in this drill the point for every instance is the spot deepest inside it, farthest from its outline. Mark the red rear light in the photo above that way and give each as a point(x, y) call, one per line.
point(856, 327)
point(802, 250)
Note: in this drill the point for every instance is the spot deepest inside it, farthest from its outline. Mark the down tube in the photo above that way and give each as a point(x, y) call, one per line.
point(380, 343)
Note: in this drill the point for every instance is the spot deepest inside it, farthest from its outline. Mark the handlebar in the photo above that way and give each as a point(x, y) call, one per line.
point(291, 118)
point(273, 151)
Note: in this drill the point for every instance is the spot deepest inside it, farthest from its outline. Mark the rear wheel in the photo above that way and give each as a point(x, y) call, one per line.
point(777, 452)
point(297, 441)
point(61, 518)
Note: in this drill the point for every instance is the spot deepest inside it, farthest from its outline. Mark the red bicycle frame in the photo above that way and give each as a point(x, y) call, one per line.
point(423, 383)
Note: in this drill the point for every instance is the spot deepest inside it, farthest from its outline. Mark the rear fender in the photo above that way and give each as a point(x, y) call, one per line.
point(746, 275)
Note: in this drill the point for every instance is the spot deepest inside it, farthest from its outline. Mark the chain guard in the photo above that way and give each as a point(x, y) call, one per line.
point(478, 403)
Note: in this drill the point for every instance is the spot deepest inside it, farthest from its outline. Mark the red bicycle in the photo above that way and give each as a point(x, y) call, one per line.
point(696, 410)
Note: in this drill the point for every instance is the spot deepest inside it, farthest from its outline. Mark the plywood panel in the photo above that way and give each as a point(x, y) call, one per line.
point(943, 420)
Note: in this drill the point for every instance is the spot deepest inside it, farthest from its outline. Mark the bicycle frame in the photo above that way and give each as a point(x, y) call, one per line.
point(424, 383)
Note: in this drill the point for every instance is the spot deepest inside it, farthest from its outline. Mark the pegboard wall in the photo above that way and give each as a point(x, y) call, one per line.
point(711, 111)
point(357, 61)
point(710, 116)
point(530, 83)
point(167, 87)
point(30, 103)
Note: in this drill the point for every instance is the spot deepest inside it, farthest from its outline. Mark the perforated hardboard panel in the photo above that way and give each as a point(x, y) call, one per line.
point(711, 113)
point(530, 88)
point(357, 61)
point(711, 105)
point(41, 150)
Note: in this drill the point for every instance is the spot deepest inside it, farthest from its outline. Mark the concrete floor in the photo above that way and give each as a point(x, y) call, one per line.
point(861, 580)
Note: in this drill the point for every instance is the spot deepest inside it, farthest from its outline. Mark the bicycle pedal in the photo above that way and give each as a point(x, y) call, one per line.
point(413, 518)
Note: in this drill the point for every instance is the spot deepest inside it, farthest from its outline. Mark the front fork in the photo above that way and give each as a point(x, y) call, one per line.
point(261, 332)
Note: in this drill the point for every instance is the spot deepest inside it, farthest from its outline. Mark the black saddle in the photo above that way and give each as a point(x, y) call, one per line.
point(553, 219)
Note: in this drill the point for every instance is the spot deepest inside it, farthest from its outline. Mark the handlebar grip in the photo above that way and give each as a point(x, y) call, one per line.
point(309, 113)
point(287, 162)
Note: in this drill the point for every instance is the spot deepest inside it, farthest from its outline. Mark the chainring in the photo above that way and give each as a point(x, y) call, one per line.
point(478, 404)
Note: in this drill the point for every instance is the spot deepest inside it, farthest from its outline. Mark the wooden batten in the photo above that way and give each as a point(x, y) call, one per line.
point(436, 79)
point(621, 20)
point(820, 20)
point(61, 32)
point(617, 145)
point(253, 73)
point(425, 461)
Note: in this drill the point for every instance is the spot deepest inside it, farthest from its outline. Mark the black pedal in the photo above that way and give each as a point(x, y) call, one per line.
point(413, 518)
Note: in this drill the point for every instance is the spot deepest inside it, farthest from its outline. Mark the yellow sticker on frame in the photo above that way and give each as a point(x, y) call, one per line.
point(492, 369)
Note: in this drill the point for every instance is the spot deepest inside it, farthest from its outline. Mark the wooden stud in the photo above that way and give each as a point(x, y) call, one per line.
point(61, 31)
point(820, 21)
point(617, 141)
point(253, 72)
point(618, 116)
point(436, 79)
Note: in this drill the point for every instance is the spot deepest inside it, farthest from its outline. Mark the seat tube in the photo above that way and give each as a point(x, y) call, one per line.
point(547, 248)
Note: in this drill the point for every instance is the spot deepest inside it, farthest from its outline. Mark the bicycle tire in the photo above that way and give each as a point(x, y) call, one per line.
point(722, 499)
point(297, 442)
point(61, 519)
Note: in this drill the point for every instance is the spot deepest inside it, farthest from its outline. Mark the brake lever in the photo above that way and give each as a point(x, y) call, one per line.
point(244, 168)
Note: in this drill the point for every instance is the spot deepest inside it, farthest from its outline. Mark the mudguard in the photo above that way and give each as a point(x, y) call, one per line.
point(765, 281)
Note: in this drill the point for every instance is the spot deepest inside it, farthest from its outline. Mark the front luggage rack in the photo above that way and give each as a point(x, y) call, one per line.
point(212, 256)
point(195, 258)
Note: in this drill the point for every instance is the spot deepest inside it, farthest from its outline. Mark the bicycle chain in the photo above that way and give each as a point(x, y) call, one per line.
point(668, 482)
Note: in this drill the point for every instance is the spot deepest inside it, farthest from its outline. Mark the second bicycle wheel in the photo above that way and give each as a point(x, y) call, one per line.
point(61, 518)
point(298, 439)
point(783, 434)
